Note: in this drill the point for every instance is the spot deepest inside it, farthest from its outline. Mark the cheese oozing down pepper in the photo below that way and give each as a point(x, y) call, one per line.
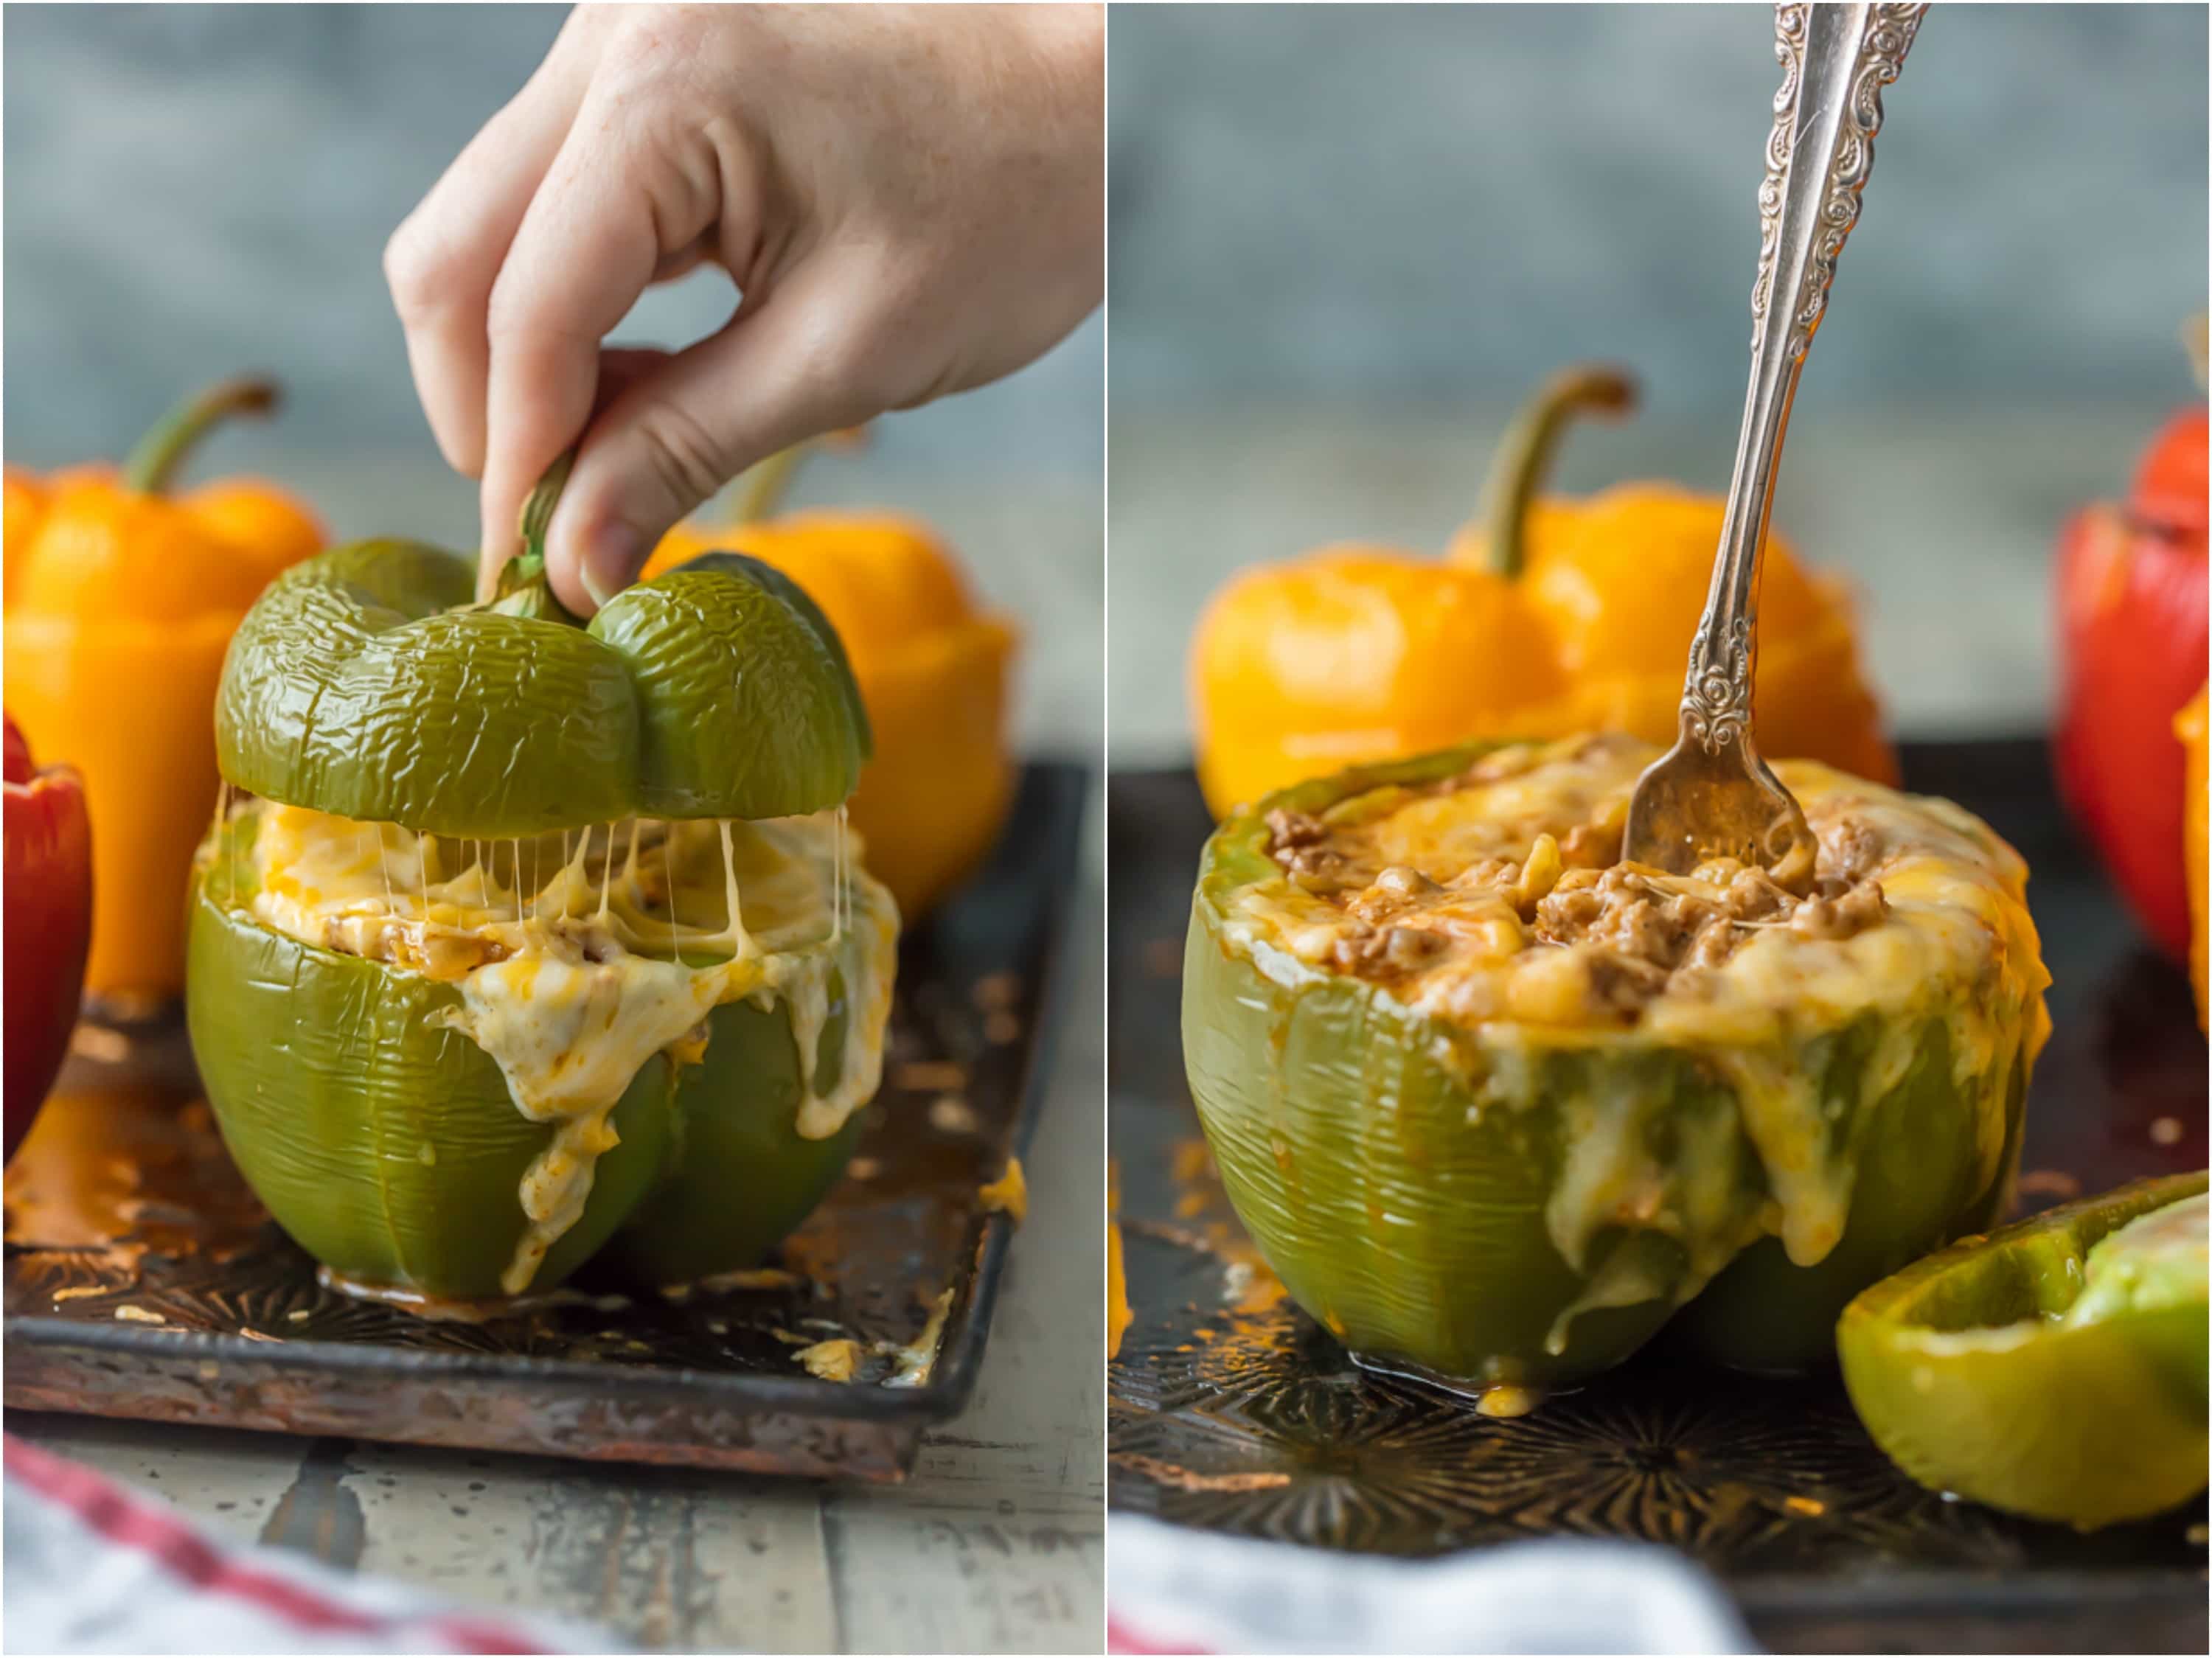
point(1491, 905)
point(1496, 903)
point(579, 957)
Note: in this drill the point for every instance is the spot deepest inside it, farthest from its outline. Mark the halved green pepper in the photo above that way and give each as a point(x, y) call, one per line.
point(1403, 1173)
point(2054, 1369)
point(369, 685)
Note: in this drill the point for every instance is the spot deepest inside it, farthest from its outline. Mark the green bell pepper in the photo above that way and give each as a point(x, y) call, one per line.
point(1442, 1197)
point(369, 685)
point(738, 1176)
point(2054, 1369)
point(383, 1141)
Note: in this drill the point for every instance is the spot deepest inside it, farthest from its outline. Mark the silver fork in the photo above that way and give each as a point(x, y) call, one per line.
point(1711, 795)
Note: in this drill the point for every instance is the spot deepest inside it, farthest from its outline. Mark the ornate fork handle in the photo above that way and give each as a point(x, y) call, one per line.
point(1835, 59)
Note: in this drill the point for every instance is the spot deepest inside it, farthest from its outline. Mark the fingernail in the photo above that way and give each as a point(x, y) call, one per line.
point(611, 560)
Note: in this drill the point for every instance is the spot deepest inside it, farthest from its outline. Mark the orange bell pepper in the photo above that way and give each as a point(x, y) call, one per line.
point(2192, 727)
point(1546, 616)
point(932, 671)
point(120, 601)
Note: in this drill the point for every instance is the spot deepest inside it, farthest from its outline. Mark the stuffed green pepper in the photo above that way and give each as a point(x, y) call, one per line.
point(519, 941)
point(1496, 1106)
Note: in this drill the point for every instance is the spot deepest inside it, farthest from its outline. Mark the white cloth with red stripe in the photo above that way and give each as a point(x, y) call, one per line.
point(93, 1567)
point(1170, 1589)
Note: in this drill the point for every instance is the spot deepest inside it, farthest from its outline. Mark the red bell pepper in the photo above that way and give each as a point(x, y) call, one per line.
point(2132, 609)
point(48, 919)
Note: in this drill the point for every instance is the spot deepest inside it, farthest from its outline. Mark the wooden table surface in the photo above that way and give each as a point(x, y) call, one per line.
point(996, 1543)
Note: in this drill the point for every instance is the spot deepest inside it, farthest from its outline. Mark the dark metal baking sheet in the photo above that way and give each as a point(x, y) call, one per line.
point(143, 1280)
point(1229, 1409)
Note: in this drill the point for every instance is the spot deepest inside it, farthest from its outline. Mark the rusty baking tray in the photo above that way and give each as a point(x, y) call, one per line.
point(1229, 1409)
point(143, 1280)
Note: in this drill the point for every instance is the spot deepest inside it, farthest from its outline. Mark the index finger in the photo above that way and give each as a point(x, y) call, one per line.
point(587, 247)
point(442, 260)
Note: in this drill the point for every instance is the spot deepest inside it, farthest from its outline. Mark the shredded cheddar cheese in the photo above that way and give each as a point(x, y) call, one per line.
point(1009, 1194)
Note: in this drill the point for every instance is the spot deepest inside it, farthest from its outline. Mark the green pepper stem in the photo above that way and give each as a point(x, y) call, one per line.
point(522, 589)
point(537, 507)
point(767, 484)
point(1523, 456)
point(155, 461)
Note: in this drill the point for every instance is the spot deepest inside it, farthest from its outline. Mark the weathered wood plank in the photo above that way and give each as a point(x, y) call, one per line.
point(998, 1542)
point(233, 1482)
point(669, 1558)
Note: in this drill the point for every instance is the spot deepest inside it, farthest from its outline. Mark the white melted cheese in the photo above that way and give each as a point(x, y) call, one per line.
point(574, 968)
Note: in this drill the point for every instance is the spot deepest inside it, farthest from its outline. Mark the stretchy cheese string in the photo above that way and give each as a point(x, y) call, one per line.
point(840, 895)
point(735, 916)
point(383, 869)
point(221, 841)
point(668, 863)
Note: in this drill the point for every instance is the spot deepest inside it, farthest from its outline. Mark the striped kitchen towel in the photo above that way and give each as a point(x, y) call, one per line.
point(1173, 1589)
point(94, 1567)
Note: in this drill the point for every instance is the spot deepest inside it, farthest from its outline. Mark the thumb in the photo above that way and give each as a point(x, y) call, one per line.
point(771, 377)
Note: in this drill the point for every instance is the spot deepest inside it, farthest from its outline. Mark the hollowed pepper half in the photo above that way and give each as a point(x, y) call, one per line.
point(2056, 1368)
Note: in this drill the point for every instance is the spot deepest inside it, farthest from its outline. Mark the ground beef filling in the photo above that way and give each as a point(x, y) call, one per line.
point(1640, 932)
point(437, 952)
point(446, 952)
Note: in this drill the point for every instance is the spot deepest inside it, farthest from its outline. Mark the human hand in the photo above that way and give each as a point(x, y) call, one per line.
point(909, 198)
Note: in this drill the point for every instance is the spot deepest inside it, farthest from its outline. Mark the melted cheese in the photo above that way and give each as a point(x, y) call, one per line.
point(1954, 940)
point(837, 1360)
point(1956, 895)
point(576, 965)
point(1009, 1194)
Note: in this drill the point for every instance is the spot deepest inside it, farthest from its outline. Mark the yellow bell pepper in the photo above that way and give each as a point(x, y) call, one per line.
point(1548, 616)
point(120, 601)
point(932, 671)
point(2192, 727)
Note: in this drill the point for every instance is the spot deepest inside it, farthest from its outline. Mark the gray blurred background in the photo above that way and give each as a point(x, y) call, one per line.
point(1345, 241)
point(191, 190)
